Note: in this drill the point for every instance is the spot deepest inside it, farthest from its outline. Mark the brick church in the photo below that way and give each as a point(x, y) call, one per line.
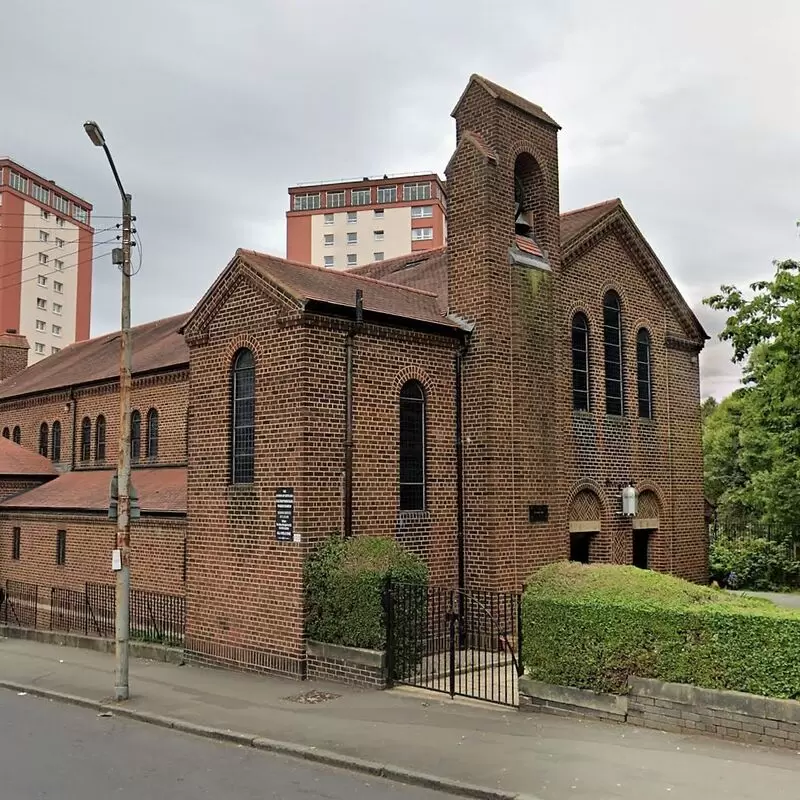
point(487, 404)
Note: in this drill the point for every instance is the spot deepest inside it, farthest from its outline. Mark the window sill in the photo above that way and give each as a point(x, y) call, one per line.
point(414, 515)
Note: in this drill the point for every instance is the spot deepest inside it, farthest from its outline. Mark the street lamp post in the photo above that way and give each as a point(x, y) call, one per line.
point(122, 257)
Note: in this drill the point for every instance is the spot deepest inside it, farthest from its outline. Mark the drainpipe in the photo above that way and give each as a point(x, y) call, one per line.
point(459, 362)
point(348, 436)
point(73, 404)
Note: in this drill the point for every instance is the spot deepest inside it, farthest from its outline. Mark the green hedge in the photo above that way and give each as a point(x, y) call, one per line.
point(757, 564)
point(344, 582)
point(591, 627)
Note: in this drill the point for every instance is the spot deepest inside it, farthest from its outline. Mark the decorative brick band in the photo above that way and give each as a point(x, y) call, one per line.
point(350, 665)
point(246, 659)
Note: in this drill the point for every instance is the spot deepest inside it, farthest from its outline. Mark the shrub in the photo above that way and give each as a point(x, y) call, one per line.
point(593, 626)
point(344, 582)
point(757, 564)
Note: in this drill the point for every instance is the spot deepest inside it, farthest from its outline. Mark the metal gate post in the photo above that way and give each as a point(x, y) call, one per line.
point(520, 668)
point(389, 611)
point(452, 637)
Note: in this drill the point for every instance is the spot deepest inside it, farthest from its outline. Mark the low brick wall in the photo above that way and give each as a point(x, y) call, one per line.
point(675, 707)
point(333, 662)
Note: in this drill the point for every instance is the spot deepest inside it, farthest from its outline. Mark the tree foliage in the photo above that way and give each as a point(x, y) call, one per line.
point(752, 439)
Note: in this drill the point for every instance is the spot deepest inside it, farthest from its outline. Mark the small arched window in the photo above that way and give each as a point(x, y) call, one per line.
point(136, 435)
point(86, 439)
point(412, 447)
point(151, 445)
point(100, 438)
point(612, 341)
point(644, 374)
point(580, 362)
point(16, 436)
point(6, 433)
point(243, 406)
point(43, 439)
point(55, 450)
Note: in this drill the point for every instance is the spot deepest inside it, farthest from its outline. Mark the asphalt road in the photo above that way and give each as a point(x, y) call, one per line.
point(50, 751)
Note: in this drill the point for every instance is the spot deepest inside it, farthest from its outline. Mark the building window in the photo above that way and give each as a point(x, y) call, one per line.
point(612, 342)
point(361, 197)
point(57, 308)
point(61, 547)
point(416, 191)
point(41, 325)
point(387, 194)
point(38, 348)
point(641, 549)
point(328, 261)
point(580, 362)
point(54, 350)
point(352, 217)
point(59, 242)
point(56, 330)
point(40, 193)
point(59, 222)
point(41, 280)
point(55, 450)
point(421, 212)
point(378, 213)
point(352, 259)
point(15, 543)
point(58, 287)
point(378, 236)
point(644, 374)
point(336, 200)
point(418, 234)
point(86, 439)
point(59, 265)
point(306, 202)
point(44, 214)
point(80, 214)
point(61, 204)
point(43, 236)
point(16, 436)
point(378, 256)
point(136, 435)
point(152, 435)
point(243, 418)
point(6, 433)
point(17, 182)
point(352, 237)
point(328, 240)
point(100, 438)
point(329, 219)
point(43, 258)
point(412, 447)
point(43, 439)
point(41, 303)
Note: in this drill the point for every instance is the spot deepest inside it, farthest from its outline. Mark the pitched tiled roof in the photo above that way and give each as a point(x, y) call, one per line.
point(156, 345)
point(574, 222)
point(310, 284)
point(160, 490)
point(501, 93)
point(16, 460)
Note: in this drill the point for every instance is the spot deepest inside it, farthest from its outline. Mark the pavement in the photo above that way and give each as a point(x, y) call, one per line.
point(541, 756)
point(94, 758)
point(784, 599)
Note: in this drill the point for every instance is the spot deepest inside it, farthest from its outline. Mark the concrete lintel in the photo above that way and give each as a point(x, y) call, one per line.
point(354, 655)
point(611, 704)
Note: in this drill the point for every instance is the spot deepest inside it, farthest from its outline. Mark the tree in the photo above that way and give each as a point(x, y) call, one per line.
point(753, 441)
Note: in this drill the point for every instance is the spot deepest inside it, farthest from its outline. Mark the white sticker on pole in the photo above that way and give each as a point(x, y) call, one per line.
point(116, 560)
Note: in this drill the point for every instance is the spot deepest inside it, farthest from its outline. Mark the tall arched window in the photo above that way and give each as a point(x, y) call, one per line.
point(151, 445)
point(55, 450)
point(100, 438)
point(243, 406)
point(612, 340)
point(580, 362)
point(43, 439)
point(6, 433)
point(644, 373)
point(16, 436)
point(412, 447)
point(136, 435)
point(86, 439)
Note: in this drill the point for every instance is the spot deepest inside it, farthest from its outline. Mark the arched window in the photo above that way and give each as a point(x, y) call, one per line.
point(151, 445)
point(16, 436)
point(644, 374)
point(100, 439)
point(612, 340)
point(136, 435)
point(86, 439)
point(412, 447)
point(43, 439)
point(580, 362)
point(243, 390)
point(6, 433)
point(55, 450)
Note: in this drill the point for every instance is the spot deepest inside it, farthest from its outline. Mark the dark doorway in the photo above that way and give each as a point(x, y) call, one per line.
point(641, 549)
point(579, 544)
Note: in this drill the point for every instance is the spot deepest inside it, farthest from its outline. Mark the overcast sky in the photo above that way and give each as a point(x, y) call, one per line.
point(688, 111)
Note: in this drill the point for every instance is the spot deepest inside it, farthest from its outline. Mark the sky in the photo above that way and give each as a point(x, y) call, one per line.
point(688, 111)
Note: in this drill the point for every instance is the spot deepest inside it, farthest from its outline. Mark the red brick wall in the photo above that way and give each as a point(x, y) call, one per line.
point(10, 487)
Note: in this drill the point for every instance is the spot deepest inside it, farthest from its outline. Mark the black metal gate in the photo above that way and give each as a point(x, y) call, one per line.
point(460, 642)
